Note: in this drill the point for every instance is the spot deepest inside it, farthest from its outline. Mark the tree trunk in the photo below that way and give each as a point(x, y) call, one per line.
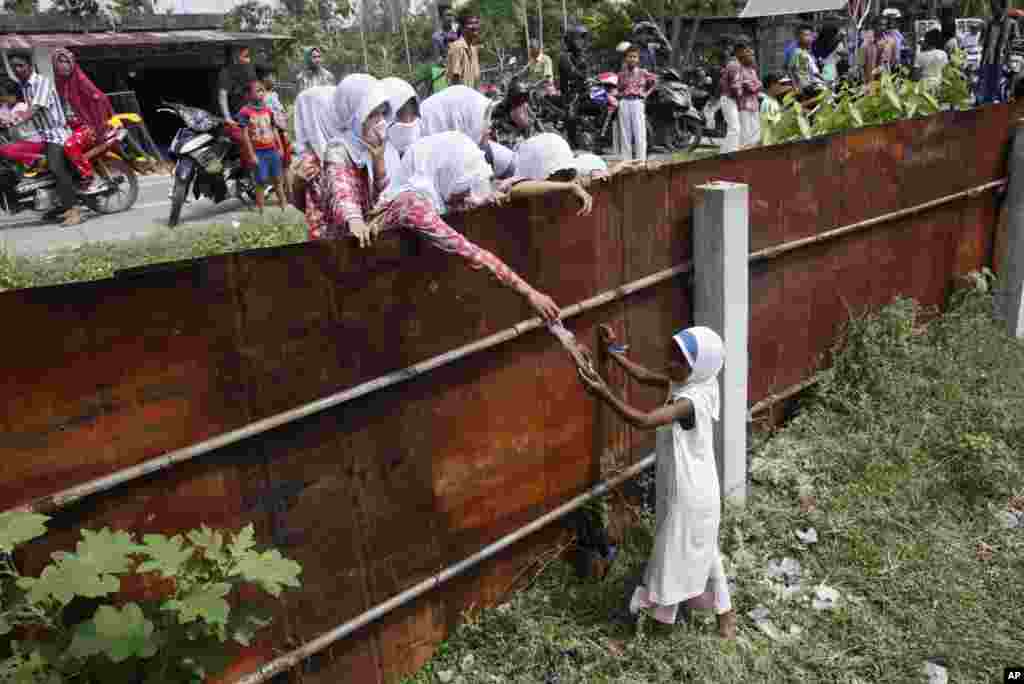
point(677, 29)
point(691, 41)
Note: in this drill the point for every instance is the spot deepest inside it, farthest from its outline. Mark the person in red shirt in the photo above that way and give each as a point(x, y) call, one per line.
point(635, 84)
point(262, 143)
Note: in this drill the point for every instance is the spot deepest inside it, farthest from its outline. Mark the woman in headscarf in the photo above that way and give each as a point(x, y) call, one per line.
point(685, 564)
point(459, 108)
point(88, 109)
point(404, 124)
point(439, 174)
point(337, 161)
point(544, 164)
point(313, 74)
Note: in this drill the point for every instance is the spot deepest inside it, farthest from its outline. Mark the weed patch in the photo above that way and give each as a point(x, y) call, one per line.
point(906, 461)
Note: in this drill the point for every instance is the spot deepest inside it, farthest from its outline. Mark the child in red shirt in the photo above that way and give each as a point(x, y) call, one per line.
point(635, 84)
point(261, 139)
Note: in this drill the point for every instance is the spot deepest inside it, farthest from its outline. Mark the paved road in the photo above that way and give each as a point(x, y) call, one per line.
point(26, 234)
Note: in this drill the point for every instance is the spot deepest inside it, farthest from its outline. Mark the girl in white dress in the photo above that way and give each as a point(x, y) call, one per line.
point(685, 564)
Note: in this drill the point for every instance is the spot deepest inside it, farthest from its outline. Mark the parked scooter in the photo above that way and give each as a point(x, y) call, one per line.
point(705, 114)
point(116, 191)
point(508, 128)
point(667, 109)
point(206, 160)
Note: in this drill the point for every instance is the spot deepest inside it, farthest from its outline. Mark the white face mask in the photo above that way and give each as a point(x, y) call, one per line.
point(402, 135)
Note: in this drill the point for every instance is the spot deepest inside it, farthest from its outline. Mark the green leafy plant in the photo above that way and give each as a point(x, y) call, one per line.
point(122, 609)
point(890, 98)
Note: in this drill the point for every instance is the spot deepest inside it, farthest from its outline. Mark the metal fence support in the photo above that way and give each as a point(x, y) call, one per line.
point(1010, 296)
point(721, 228)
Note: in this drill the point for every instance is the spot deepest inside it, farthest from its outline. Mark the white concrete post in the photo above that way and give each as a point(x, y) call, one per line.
point(721, 302)
point(1010, 294)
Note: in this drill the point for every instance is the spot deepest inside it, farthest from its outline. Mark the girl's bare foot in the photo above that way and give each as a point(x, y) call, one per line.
point(727, 625)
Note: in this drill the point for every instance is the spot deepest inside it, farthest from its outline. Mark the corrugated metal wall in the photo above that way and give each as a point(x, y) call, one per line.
point(377, 494)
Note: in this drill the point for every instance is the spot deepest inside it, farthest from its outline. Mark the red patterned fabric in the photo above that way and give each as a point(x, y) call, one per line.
point(413, 211)
point(81, 141)
point(635, 83)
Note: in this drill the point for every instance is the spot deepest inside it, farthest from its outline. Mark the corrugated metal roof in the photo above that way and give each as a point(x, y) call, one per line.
point(13, 41)
point(770, 8)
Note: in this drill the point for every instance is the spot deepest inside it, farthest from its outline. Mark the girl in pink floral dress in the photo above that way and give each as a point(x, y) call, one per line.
point(442, 173)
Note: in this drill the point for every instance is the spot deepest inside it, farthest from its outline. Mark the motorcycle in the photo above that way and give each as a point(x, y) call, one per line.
point(667, 107)
point(705, 115)
point(117, 190)
point(508, 132)
point(206, 160)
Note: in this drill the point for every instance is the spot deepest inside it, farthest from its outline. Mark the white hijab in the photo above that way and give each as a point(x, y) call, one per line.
point(588, 163)
point(349, 94)
point(439, 166)
point(503, 159)
point(316, 122)
point(351, 139)
point(542, 155)
point(457, 108)
point(705, 353)
point(399, 92)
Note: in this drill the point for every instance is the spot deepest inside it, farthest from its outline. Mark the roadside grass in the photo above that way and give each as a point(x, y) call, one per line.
point(97, 260)
point(906, 459)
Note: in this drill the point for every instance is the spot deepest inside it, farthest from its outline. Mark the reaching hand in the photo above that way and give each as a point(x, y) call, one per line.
point(309, 170)
point(585, 199)
point(594, 384)
point(544, 306)
point(606, 335)
point(361, 231)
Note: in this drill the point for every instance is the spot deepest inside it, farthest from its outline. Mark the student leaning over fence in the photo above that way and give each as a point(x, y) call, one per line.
point(440, 174)
point(685, 564)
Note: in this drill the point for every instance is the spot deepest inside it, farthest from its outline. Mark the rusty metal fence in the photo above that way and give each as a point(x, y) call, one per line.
point(113, 373)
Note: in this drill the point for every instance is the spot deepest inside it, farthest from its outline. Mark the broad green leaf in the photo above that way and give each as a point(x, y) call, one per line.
point(204, 602)
point(805, 126)
point(64, 580)
point(166, 555)
point(270, 570)
point(5, 626)
point(247, 621)
point(127, 632)
point(17, 528)
point(107, 551)
point(26, 669)
point(243, 541)
point(211, 541)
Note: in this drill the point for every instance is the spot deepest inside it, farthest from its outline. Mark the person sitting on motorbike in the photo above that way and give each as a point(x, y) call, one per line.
point(27, 152)
point(46, 111)
point(89, 113)
point(232, 91)
point(539, 68)
point(572, 73)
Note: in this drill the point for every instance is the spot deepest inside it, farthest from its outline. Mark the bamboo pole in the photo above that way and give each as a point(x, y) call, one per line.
point(293, 658)
point(362, 35)
point(408, 55)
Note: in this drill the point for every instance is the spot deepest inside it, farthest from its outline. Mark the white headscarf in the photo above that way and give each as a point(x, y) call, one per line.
point(316, 123)
point(504, 160)
point(588, 163)
point(457, 108)
point(349, 94)
point(439, 166)
point(542, 155)
point(352, 137)
point(705, 353)
point(399, 92)
point(400, 135)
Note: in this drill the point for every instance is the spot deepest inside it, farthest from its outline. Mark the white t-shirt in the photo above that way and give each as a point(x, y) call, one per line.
point(931, 63)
